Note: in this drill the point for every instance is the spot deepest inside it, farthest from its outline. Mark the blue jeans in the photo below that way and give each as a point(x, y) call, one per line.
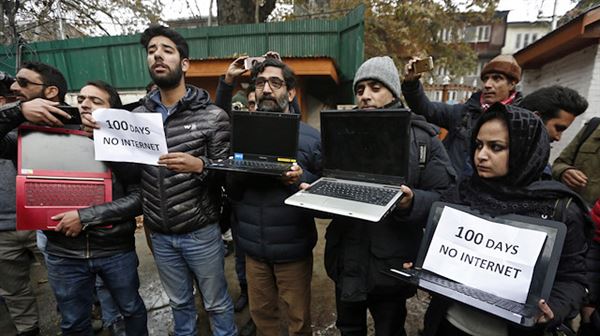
point(199, 254)
point(73, 281)
point(110, 310)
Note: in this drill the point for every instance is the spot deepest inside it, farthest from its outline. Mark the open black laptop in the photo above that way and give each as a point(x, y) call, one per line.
point(365, 160)
point(261, 143)
point(541, 283)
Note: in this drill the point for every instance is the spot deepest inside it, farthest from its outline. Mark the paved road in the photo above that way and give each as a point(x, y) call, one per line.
point(159, 314)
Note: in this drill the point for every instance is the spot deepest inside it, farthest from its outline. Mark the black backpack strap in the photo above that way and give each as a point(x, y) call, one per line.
point(423, 149)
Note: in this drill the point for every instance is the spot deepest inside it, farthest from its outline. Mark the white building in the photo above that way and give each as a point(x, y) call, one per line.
point(519, 35)
point(568, 56)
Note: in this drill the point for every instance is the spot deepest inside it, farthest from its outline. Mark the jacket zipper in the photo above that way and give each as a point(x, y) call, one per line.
point(262, 233)
point(163, 209)
point(87, 246)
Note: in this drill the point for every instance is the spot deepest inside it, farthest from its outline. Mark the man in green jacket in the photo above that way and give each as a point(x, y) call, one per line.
point(578, 165)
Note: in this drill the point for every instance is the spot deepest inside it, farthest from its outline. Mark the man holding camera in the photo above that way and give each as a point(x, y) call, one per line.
point(499, 79)
point(39, 88)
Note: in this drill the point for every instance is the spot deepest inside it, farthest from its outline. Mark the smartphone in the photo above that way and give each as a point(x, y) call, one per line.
point(250, 62)
point(73, 112)
point(423, 65)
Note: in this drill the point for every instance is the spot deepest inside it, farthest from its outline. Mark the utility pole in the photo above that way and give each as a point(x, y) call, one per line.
point(60, 21)
point(554, 18)
point(256, 11)
point(210, 7)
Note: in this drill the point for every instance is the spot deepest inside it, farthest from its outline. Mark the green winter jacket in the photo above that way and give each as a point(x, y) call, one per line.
point(587, 159)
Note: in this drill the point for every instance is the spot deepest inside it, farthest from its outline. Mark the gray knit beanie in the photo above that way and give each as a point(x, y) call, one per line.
point(381, 69)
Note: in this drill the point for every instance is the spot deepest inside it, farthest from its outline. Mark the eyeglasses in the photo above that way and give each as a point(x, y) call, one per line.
point(95, 100)
point(24, 82)
point(274, 82)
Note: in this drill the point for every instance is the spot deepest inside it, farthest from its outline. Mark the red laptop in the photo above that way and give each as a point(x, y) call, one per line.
point(57, 173)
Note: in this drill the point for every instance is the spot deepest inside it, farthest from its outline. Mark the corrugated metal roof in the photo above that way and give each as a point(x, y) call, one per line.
point(121, 60)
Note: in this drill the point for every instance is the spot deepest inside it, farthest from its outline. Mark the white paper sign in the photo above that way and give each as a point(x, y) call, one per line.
point(492, 257)
point(129, 137)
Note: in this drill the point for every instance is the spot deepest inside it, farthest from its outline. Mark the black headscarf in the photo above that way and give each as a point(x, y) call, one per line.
point(520, 191)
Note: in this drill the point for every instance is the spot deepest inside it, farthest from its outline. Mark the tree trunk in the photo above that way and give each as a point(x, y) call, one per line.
point(243, 11)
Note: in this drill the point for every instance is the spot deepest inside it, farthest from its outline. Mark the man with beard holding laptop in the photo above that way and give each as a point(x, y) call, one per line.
point(357, 251)
point(278, 239)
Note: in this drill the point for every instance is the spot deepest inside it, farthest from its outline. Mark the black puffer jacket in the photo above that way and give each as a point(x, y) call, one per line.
point(357, 251)
point(176, 203)
point(268, 229)
point(458, 119)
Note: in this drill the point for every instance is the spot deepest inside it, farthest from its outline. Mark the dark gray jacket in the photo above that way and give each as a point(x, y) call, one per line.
point(8, 175)
point(8, 172)
point(458, 119)
point(176, 203)
point(357, 251)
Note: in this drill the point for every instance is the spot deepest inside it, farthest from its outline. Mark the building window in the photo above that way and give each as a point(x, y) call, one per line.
point(525, 40)
point(474, 71)
point(442, 71)
point(483, 33)
point(518, 44)
point(477, 34)
point(453, 95)
point(533, 38)
point(438, 96)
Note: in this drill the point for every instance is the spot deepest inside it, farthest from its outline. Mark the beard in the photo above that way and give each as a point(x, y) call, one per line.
point(273, 104)
point(169, 80)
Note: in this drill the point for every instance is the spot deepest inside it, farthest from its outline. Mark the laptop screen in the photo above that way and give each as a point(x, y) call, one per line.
point(363, 143)
point(265, 134)
point(58, 152)
point(545, 267)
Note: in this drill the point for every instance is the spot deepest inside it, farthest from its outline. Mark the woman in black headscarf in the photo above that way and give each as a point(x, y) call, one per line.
point(509, 150)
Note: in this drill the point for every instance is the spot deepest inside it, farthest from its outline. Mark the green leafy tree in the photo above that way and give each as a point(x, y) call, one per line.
point(402, 29)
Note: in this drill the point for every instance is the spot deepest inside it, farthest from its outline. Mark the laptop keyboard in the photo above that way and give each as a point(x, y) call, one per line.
point(353, 192)
point(63, 194)
point(515, 307)
point(260, 165)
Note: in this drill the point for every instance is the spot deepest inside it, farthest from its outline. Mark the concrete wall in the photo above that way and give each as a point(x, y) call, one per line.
point(579, 71)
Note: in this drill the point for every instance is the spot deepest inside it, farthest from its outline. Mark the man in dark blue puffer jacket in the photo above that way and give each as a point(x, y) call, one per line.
point(278, 239)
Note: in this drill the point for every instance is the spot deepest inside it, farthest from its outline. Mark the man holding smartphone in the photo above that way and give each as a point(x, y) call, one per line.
point(499, 79)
